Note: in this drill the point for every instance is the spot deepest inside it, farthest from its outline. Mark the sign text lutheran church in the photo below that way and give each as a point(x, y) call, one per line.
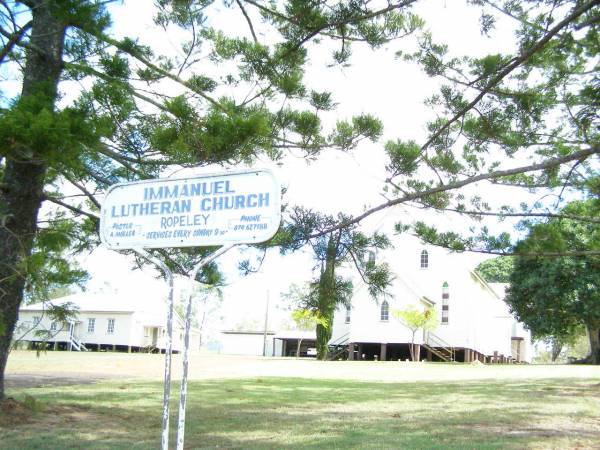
point(211, 210)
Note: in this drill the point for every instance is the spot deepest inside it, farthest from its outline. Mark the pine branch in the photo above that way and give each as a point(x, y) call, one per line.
point(580, 155)
point(508, 214)
point(91, 71)
point(141, 58)
point(517, 62)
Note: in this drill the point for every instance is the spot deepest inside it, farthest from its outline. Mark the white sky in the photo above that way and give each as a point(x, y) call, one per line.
point(376, 83)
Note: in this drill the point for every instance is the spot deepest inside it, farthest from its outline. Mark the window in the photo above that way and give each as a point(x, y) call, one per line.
point(91, 325)
point(385, 311)
point(110, 329)
point(36, 320)
point(424, 259)
point(53, 326)
point(371, 257)
point(445, 300)
point(348, 309)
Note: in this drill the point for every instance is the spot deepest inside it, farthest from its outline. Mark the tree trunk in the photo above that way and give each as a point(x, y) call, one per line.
point(412, 346)
point(555, 349)
point(24, 172)
point(327, 300)
point(323, 337)
point(593, 332)
point(298, 349)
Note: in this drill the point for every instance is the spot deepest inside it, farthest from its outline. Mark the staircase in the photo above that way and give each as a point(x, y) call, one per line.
point(439, 347)
point(77, 345)
point(338, 348)
point(149, 349)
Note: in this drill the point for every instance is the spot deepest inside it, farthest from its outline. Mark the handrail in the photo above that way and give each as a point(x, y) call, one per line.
point(435, 341)
point(341, 340)
point(340, 344)
point(78, 345)
point(439, 340)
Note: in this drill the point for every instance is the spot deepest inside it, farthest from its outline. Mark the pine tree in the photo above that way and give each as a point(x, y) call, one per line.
point(135, 112)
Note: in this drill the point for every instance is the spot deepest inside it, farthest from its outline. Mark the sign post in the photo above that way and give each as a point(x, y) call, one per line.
point(224, 209)
point(169, 346)
point(186, 349)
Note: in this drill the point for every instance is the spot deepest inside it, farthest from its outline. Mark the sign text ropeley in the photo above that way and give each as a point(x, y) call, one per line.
point(218, 209)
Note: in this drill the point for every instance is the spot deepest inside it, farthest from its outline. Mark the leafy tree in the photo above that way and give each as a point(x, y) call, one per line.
point(496, 270)
point(332, 250)
point(130, 112)
point(514, 131)
point(307, 320)
point(416, 319)
point(556, 296)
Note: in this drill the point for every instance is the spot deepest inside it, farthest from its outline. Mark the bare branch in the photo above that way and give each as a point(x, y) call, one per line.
point(82, 188)
point(247, 20)
point(74, 209)
point(13, 39)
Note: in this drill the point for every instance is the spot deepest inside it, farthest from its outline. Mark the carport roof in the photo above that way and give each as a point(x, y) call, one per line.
point(296, 334)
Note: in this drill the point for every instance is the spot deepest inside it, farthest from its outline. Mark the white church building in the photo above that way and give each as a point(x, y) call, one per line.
point(474, 321)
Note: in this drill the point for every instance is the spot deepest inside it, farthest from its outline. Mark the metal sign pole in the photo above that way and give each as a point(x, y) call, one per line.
point(164, 442)
point(186, 348)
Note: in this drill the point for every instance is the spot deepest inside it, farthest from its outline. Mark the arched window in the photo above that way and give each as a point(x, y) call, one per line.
point(371, 256)
point(348, 309)
point(424, 259)
point(385, 311)
point(445, 300)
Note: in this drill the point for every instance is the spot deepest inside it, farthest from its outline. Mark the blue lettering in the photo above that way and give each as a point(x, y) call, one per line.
point(263, 199)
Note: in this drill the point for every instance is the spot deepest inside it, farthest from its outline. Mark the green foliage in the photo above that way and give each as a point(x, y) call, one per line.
point(417, 319)
point(51, 266)
point(347, 135)
point(556, 296)
point(307, 320)
point(521, 108)
point(496, 270)
point(403, 157)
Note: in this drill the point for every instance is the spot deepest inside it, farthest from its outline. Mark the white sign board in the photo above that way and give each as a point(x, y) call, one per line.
point(216, 209)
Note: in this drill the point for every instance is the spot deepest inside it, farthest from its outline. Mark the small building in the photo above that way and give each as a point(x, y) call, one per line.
point(249, 343)
point(270, 343)
point(103, 322)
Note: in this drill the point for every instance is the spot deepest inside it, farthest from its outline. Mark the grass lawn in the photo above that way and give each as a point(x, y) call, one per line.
point(276, 413)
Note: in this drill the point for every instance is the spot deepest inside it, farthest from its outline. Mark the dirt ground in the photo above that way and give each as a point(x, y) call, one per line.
point(25, 369)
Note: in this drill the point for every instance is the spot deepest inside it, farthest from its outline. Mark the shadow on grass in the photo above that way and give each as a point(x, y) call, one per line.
point(299, 413)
